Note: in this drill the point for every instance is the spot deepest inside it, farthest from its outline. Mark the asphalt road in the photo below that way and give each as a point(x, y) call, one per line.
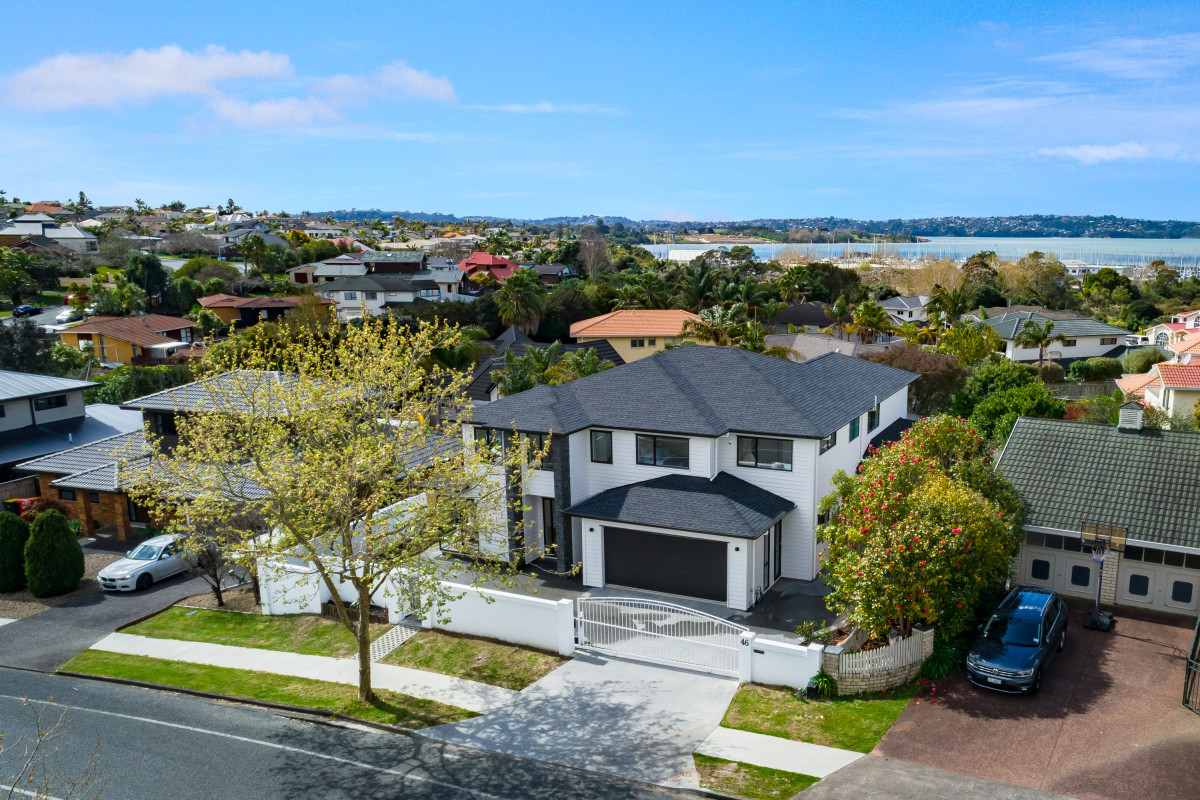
point(152, 744)
point(44, 318)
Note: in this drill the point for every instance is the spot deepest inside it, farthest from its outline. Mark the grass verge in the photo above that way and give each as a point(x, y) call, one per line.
point(389, 708)
point(299, 633)
point(483, 660)
point(852, 722)
point(748, 780)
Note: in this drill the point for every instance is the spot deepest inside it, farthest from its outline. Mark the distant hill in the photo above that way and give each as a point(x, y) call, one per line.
point(1026, 225)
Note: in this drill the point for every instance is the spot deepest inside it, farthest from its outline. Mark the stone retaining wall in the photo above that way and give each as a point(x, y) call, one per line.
point(900, 672)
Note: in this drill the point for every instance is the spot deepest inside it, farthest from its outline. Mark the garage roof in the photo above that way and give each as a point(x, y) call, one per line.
point(725, 505)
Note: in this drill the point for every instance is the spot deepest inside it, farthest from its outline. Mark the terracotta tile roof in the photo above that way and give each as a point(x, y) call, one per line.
point(43, 207)
point(143, 331)
point(1188, 344)
point(481, 259)
point(634, 322)
point(233, 301)
point(1179, 376)
point(1135, 385)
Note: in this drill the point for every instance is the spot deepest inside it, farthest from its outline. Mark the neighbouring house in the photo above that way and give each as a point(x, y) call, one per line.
point(801, 317)
point(68, 237)
point(374, 294)
point(808, 345)
point(634, 333)
point(244, 311)
point(1085, 337)
point(326, 271)
point(1181, 325)
point(1134, 386)
point(1141, 481)
point(46, 207)
point(479, 263)
point(41, 414)
point(130, 340)
point(694, 472)
point(393, 262)
point(483, 389)
point(1173, 387)
point(551, 274)
point(910, 308)
point(1187, 344)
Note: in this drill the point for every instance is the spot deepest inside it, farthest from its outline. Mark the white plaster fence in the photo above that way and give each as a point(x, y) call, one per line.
point(777, 663)
point(509, 617)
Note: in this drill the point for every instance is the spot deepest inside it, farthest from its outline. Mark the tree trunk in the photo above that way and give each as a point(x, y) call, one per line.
point(365, 694)
point(216, 587)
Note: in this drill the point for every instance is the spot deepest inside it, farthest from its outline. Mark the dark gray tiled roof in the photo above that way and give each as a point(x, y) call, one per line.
point(1010, 324)
point(706, 391)
point(1071, 472)
point(100, 479)
point(375, 283)
point(393, 257)
point(15, 385)
point(480, 387)
point(725, 505)
point(89, 456)
point(235, 391)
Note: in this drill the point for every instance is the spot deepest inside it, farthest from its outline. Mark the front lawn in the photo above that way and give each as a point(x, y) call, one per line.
point(389, 708)
point(298, 633)
point(748, 780)
point(483, 660)
point(851, 722)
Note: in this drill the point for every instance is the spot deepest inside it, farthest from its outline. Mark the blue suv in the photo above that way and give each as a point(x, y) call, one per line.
point(1018, 641)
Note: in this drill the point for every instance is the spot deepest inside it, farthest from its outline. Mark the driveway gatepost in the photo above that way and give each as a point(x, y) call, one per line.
point(746, 657)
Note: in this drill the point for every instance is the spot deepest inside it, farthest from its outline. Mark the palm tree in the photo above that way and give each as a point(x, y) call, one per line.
point(1039, 337)
point(697, 286)
point(467, 351)
point(515, 376)
point(837, 313)
point(953, 303)
point(521, 300)
point(576, 365)
point(793, 285)
point(719, 326)
point(772, 309)
point(754, 339)
point(753, 295)
point(869, 322)
point(254, 247)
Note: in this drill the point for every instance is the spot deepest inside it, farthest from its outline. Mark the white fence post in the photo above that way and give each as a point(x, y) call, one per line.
point(566, 627)
point(746, 657)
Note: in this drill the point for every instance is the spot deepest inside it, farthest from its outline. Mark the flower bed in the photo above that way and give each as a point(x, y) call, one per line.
point(858, 669)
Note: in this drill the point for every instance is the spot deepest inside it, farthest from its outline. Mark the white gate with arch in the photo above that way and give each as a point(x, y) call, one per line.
point(661, 633)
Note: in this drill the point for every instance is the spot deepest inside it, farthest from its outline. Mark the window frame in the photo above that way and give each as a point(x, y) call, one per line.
point(592, 437)
point(540, 440)
point(1070, 342)
point(758, 464)
point(873, 418)
point(67, 494)
point(50, 402)
point(828, 443)
point(855, 428)
point(1108, 340)
point(654, 439)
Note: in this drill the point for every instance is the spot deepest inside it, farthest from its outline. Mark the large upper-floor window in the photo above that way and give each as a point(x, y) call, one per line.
point(47, 403)
point(873, 418)
point(829, 441)
point(538, 445)
point(662, 451)
point(854, 429)
point(755, 451)
point(601, 447)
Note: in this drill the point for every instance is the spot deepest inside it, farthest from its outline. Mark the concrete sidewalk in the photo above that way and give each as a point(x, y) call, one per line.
point(471, 695)
point(776, 752)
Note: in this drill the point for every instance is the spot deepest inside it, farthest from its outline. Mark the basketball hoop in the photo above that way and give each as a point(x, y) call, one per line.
point(1104, 539)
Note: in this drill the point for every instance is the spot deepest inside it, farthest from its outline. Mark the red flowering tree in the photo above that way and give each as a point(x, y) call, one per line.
point(920, 531)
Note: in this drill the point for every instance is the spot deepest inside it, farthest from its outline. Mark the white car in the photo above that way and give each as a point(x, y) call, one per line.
point(153, 560)
point(68, 315)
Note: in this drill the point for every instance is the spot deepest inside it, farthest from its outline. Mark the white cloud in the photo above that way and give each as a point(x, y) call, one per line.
point(1144, 59)
point(394, 80)
point(79, 80)
point(274, 113)
point(1125, 151)
point(551, 108)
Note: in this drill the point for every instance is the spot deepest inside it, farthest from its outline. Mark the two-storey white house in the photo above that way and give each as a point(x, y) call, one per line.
point(694, 472)
point(374, 294)
point(1085, 337)
point(910, 308)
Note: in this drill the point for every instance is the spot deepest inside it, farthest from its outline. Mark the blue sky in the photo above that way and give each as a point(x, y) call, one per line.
point(677, 111)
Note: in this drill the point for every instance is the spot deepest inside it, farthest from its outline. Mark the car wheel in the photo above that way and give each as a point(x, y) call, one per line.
point(1062, 641)
point(1037, 682)
point(144, 580)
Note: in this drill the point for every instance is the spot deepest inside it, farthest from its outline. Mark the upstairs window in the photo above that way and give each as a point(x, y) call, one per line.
point(1108, 340)
point(873, 418)
point(1069, 343)
point(370, 295)
point(349, 295)
point(637, 342)
point(47, 403)
point(601, 447)
point(538, 444)
point(829, 441)
point(854, 429)
point(762, 453)
point(662, 451)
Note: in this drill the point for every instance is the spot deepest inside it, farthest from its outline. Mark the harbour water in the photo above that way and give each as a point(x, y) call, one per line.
point(1116, 252)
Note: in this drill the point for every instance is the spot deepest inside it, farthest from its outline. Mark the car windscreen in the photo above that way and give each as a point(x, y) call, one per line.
point(145, 553)
point(1010, 630)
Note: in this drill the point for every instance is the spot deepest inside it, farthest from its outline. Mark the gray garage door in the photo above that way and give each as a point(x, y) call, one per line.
point(662, 563)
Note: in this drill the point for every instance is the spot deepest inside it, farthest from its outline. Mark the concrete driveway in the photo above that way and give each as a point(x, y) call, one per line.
point(50, 638)
point(611, 716)
point(1108, 724)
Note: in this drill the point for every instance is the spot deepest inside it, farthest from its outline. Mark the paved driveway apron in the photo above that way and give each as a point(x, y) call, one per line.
point(51, 638)
point(611, 716)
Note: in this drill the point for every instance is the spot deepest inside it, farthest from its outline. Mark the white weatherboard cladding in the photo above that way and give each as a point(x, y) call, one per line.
point(739, 590)
point(796, 486)
point(539, 482)
point(17, 414)
point(624, 468)
point(1085, 347)
point(74, 408)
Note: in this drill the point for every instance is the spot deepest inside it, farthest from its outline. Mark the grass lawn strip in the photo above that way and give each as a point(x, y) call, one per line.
point(483, 660)
point(298, 633)
point(851, 722)
point(748, 780)
point(389, 708)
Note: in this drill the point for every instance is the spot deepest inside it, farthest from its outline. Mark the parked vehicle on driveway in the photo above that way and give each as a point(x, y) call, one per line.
point(1018, 641)
point(68, 315)
point(153, 560)
point(27, 310)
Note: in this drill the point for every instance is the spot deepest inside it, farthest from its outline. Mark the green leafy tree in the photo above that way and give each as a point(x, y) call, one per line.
point(522, 300)
point(145, 271)
point(14, 532)
point(182, 294)
point(970, 344)
point(989, 378)
point(922, 533)
point(1095, 369)
point(24, 347)
point(15, 284)
point(53, 557)
point(254, 248)
point(1038, 337)
point(996, 414)
point(1110, 281)
point(1139, 362)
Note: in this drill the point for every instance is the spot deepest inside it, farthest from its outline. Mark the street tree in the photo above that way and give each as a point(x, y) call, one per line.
point(337, 437)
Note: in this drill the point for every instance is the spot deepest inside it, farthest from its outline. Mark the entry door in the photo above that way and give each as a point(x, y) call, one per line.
point(549, 531)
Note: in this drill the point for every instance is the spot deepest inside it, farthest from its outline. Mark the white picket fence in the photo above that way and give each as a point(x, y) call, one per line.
point(900, 653)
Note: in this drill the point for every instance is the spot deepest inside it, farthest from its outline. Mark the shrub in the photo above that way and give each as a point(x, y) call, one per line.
point(989, 378)
point(825, 684)
point(53, 557)
point(14, 532)
point(1138, 362)
point(1052, 372)
point(948, 657)
point(32, 506)
point(996, 415)
point(1095, 369)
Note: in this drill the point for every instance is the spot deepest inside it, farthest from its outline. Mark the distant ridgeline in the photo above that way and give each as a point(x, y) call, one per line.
point(829, 229)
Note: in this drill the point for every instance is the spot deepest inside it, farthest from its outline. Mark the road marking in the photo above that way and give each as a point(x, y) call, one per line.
point(14, 790)
point(288, 748)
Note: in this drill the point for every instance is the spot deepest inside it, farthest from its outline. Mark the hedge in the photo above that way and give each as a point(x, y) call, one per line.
point(14, 532)
point(53, 556)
